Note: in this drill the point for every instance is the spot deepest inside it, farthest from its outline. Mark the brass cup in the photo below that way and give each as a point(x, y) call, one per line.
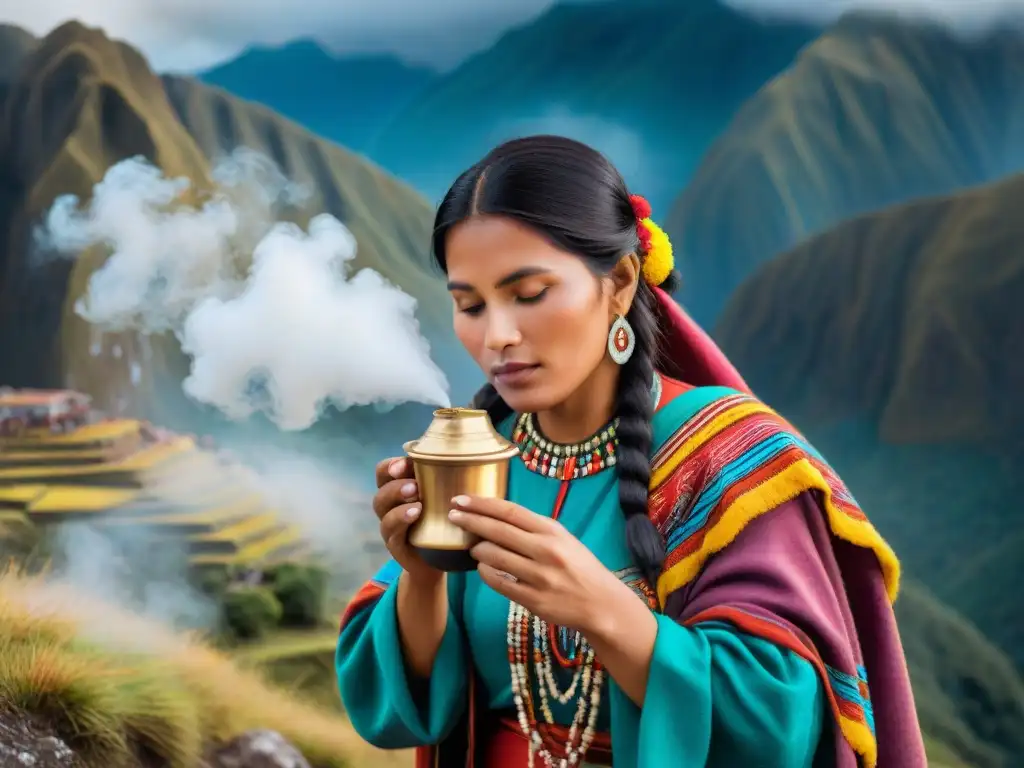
point(460, 453)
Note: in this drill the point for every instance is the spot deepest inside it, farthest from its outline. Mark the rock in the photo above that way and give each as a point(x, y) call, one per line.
point(257, 749)
point(26, 744)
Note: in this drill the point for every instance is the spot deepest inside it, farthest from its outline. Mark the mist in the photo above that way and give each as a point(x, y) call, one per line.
point(131, 568)
point(274, 318)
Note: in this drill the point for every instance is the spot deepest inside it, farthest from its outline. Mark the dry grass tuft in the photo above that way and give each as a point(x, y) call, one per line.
point(116, 686)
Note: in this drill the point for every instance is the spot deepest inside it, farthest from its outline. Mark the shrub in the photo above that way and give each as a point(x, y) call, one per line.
point(250, 612)
point(212, 582)
point(301, 590)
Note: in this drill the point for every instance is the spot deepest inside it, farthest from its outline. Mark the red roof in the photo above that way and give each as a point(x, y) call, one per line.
point(30, 397)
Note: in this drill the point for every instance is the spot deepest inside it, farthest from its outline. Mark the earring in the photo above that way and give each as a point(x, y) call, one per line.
point(621, 340)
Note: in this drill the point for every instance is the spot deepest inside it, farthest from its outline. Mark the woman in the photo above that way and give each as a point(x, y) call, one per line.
point(646, 471)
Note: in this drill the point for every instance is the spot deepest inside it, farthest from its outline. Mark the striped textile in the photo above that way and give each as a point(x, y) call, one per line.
point(731, 461)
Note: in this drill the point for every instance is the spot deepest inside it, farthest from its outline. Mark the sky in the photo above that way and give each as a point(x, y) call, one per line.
point(190, 35)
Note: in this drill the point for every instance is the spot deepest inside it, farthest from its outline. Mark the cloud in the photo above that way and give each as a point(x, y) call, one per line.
point(189, 35)
point(960, 15)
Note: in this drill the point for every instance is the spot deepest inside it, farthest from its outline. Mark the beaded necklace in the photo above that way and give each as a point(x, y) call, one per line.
point(531, 641)
point(565, 462)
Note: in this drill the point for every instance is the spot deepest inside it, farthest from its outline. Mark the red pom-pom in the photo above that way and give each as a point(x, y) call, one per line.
point(645, 237)
point(641, 208)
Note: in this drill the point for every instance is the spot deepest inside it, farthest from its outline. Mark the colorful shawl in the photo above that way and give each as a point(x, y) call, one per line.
point(813, 576)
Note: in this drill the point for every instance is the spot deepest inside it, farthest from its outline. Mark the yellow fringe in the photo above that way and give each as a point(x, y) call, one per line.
point(860, 737)
point(799, 477)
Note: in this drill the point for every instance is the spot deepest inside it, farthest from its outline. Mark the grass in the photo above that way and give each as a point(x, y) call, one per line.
point(115, 686)
point(286, 644)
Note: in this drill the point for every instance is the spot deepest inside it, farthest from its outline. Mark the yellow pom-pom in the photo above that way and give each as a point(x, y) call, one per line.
point(659, 262)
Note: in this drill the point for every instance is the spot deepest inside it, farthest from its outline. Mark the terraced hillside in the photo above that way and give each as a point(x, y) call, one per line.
point(122, 472)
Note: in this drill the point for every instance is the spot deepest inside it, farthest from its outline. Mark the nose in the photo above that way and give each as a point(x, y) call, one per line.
point(502, 330)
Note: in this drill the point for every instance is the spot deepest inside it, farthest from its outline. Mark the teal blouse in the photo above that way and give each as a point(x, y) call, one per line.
point(715, 697)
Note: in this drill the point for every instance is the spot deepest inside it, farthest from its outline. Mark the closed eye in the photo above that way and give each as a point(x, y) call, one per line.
point(475, 309)
point(532, 299)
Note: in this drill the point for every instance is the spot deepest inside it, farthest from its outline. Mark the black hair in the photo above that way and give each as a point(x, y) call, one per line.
point(574, 196)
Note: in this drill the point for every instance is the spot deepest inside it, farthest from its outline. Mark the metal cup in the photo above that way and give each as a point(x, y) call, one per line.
point(460, 453)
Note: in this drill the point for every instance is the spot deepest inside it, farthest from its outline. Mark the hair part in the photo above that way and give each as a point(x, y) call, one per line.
point(574, 196)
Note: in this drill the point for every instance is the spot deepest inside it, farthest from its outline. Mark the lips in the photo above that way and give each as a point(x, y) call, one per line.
point(513, 374)
point(507, 368)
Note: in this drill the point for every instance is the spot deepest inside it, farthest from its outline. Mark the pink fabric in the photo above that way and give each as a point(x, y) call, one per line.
point(689, 354)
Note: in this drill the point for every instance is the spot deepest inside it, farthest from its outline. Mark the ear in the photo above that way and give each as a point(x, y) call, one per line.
point(625, 278)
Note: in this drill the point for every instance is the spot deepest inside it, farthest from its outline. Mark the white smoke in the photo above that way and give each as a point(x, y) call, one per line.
point(274, 318)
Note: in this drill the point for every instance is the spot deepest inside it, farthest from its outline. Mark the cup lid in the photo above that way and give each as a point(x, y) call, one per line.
point(461, 435)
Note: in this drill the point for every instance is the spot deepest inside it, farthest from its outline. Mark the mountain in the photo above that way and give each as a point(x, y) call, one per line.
point(970, 698)
point(649, 83)
point(80, 103)
point(876, 111)
point(15, 45)
point(893, 340)
point(346, 99)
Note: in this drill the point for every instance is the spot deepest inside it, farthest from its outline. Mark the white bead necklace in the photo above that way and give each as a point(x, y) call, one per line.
point(588, 679)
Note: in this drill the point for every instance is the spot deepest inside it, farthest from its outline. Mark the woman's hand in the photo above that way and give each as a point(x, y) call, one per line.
point(397, 506)
point(535, 562)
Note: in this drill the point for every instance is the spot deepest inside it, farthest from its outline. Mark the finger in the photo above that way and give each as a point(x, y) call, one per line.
point(506, 511)
point(498, 531)
point(504, 560)
point(394, 493)
point(394, 468)
point(397, 521)
point(517, 591)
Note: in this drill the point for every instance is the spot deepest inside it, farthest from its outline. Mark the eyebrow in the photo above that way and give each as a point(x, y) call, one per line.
point(512, 277)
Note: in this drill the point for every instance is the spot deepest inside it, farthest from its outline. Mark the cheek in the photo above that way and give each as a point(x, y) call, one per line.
point(571, 331)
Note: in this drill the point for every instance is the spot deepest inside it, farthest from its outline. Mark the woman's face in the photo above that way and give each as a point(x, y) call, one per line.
point(534, 318)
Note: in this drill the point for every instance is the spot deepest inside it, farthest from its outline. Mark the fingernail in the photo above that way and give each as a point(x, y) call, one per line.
point(455, 515)
point(397, 468)
point(461, 501)
point(412, 512)
point(409, 490)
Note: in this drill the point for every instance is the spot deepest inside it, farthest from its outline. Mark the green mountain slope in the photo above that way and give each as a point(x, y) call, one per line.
point(346, 99)
point(970, 698)
point(876, 111)
point(634, 79)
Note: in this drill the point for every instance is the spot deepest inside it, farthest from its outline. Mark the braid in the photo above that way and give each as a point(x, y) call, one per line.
point(634, 407)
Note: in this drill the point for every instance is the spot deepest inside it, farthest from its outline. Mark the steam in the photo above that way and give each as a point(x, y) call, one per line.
point(275, 319)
